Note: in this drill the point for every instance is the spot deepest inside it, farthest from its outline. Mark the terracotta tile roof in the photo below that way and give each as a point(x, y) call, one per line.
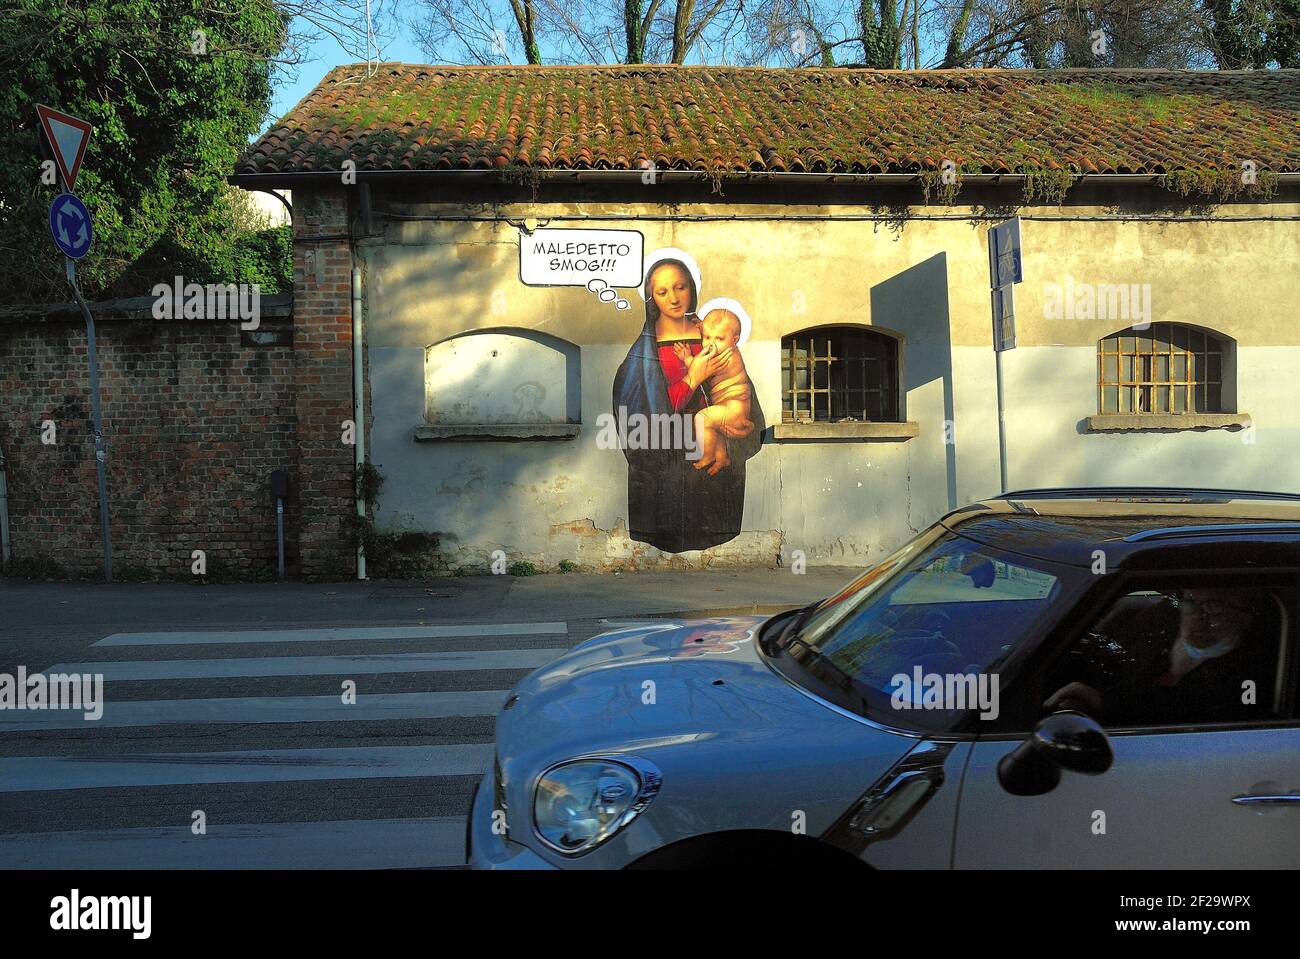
point(734, 119)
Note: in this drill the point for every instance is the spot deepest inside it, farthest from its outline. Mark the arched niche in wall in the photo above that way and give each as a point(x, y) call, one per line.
point(502, 376)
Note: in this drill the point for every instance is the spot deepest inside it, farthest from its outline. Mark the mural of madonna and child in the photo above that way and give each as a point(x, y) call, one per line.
point(686, 374)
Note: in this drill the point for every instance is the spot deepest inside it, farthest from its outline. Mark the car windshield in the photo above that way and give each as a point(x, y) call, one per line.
point(918, 641)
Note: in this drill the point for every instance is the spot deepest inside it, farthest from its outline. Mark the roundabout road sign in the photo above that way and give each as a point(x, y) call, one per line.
point(70, 225)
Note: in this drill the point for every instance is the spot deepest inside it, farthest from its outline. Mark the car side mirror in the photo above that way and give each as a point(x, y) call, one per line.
point(1064, 740)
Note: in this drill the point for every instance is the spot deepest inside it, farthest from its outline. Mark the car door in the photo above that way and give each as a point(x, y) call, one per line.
point(1216, 790)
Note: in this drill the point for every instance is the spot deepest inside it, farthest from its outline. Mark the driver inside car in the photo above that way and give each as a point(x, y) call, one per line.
point(1193, 659)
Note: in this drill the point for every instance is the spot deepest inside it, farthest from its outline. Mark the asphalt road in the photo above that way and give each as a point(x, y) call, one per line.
point(223, 705)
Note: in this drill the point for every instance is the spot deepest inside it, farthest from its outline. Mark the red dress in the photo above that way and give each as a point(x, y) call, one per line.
point(683, 398)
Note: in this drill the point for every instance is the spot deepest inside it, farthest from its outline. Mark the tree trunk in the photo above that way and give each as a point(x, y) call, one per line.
point(889, 30)
point(902, 30)
point(916, 34)
point(879, 33)
point(632, 26)
point(681, 22)
point(956, 39)
point(525, 18)
point(1078, 36)
point(1037, 44)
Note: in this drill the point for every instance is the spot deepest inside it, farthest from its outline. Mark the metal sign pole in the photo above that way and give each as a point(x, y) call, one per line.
point(1002, 426)
point(279, 533)
point(98, 418)
point(1005, 270)
point(279, 489)
point(5, 549)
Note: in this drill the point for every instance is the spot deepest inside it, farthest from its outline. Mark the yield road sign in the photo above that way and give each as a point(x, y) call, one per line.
point(70, 225)
point(68, 136)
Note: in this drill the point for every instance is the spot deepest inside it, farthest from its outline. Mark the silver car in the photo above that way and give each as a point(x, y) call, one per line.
point(1095, 678)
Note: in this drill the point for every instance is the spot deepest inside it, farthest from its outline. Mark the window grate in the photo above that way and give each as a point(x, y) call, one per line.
point(839, 374)
point(1169, 368)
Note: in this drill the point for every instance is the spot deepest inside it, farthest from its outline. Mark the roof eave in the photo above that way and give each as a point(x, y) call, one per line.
point(291, 179)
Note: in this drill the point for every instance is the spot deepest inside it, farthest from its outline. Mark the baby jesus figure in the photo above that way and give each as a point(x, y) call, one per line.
point(729, 392)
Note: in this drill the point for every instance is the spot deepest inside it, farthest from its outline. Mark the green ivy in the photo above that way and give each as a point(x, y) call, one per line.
point(1047, 185)
point(403, 554)
point(932, 182)
point(264, 258)
point(1220, 183)
point(369, 482)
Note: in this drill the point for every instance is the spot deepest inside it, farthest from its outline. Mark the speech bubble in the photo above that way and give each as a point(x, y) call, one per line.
point(558, 257)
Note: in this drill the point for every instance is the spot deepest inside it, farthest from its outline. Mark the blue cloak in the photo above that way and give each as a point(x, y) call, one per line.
point(670, 504)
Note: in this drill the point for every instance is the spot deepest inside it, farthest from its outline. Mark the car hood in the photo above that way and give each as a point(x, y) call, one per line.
point(730, 736)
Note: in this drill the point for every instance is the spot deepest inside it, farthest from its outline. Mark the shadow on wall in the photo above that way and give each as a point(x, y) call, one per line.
point(914, 303)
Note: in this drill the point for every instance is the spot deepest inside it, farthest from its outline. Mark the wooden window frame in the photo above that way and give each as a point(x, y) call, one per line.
point(1169, 369)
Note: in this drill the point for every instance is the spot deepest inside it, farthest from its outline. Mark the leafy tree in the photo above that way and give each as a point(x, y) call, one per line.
point(1245, 34)
point(265, 258)
point(174, 89)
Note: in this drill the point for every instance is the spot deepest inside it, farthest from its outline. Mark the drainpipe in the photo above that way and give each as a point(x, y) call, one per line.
point(4, 515)
point(358, 403)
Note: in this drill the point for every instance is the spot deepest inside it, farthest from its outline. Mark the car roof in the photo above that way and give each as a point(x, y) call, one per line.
point(1130, 524)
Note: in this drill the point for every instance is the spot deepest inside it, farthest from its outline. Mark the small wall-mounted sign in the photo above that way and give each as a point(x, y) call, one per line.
point(265, 337)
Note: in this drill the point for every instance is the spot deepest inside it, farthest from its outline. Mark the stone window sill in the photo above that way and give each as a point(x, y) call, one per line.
point(837, 432)
point(494, 432)
point(1166, 422)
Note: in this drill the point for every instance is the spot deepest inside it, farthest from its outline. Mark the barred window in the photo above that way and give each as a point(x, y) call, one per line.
point(837, 374)
point(1169, 368)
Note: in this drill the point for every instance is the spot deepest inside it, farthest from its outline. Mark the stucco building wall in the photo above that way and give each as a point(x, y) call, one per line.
point(432, 276)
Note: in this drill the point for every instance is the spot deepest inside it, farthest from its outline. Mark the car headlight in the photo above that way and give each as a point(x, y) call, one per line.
point(579, 804)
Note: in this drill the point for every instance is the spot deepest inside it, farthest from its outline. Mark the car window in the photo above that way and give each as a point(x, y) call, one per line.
point(1178, 654)
point(973, 578)
point(953, 612)
point(922, 640)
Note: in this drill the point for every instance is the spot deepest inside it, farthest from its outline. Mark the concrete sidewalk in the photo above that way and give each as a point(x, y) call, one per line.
point(27, 605)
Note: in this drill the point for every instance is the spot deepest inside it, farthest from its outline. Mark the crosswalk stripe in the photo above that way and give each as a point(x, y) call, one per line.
point(263, 709)
point(41, 773)
point(331, 635)
point(436, 842)
point(362, 844)
point(315, 665)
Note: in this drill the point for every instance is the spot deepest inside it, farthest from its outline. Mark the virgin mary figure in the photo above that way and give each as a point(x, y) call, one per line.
point(671, 505)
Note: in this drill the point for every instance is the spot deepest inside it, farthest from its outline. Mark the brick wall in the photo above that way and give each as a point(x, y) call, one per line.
point(322, 377)
point(195, 421)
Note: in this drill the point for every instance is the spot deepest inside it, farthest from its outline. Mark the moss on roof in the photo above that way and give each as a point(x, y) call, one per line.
point(728, 121)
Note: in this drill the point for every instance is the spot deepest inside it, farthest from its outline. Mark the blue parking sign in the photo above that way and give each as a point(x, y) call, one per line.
point(70, 226)
point(1004, 254)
